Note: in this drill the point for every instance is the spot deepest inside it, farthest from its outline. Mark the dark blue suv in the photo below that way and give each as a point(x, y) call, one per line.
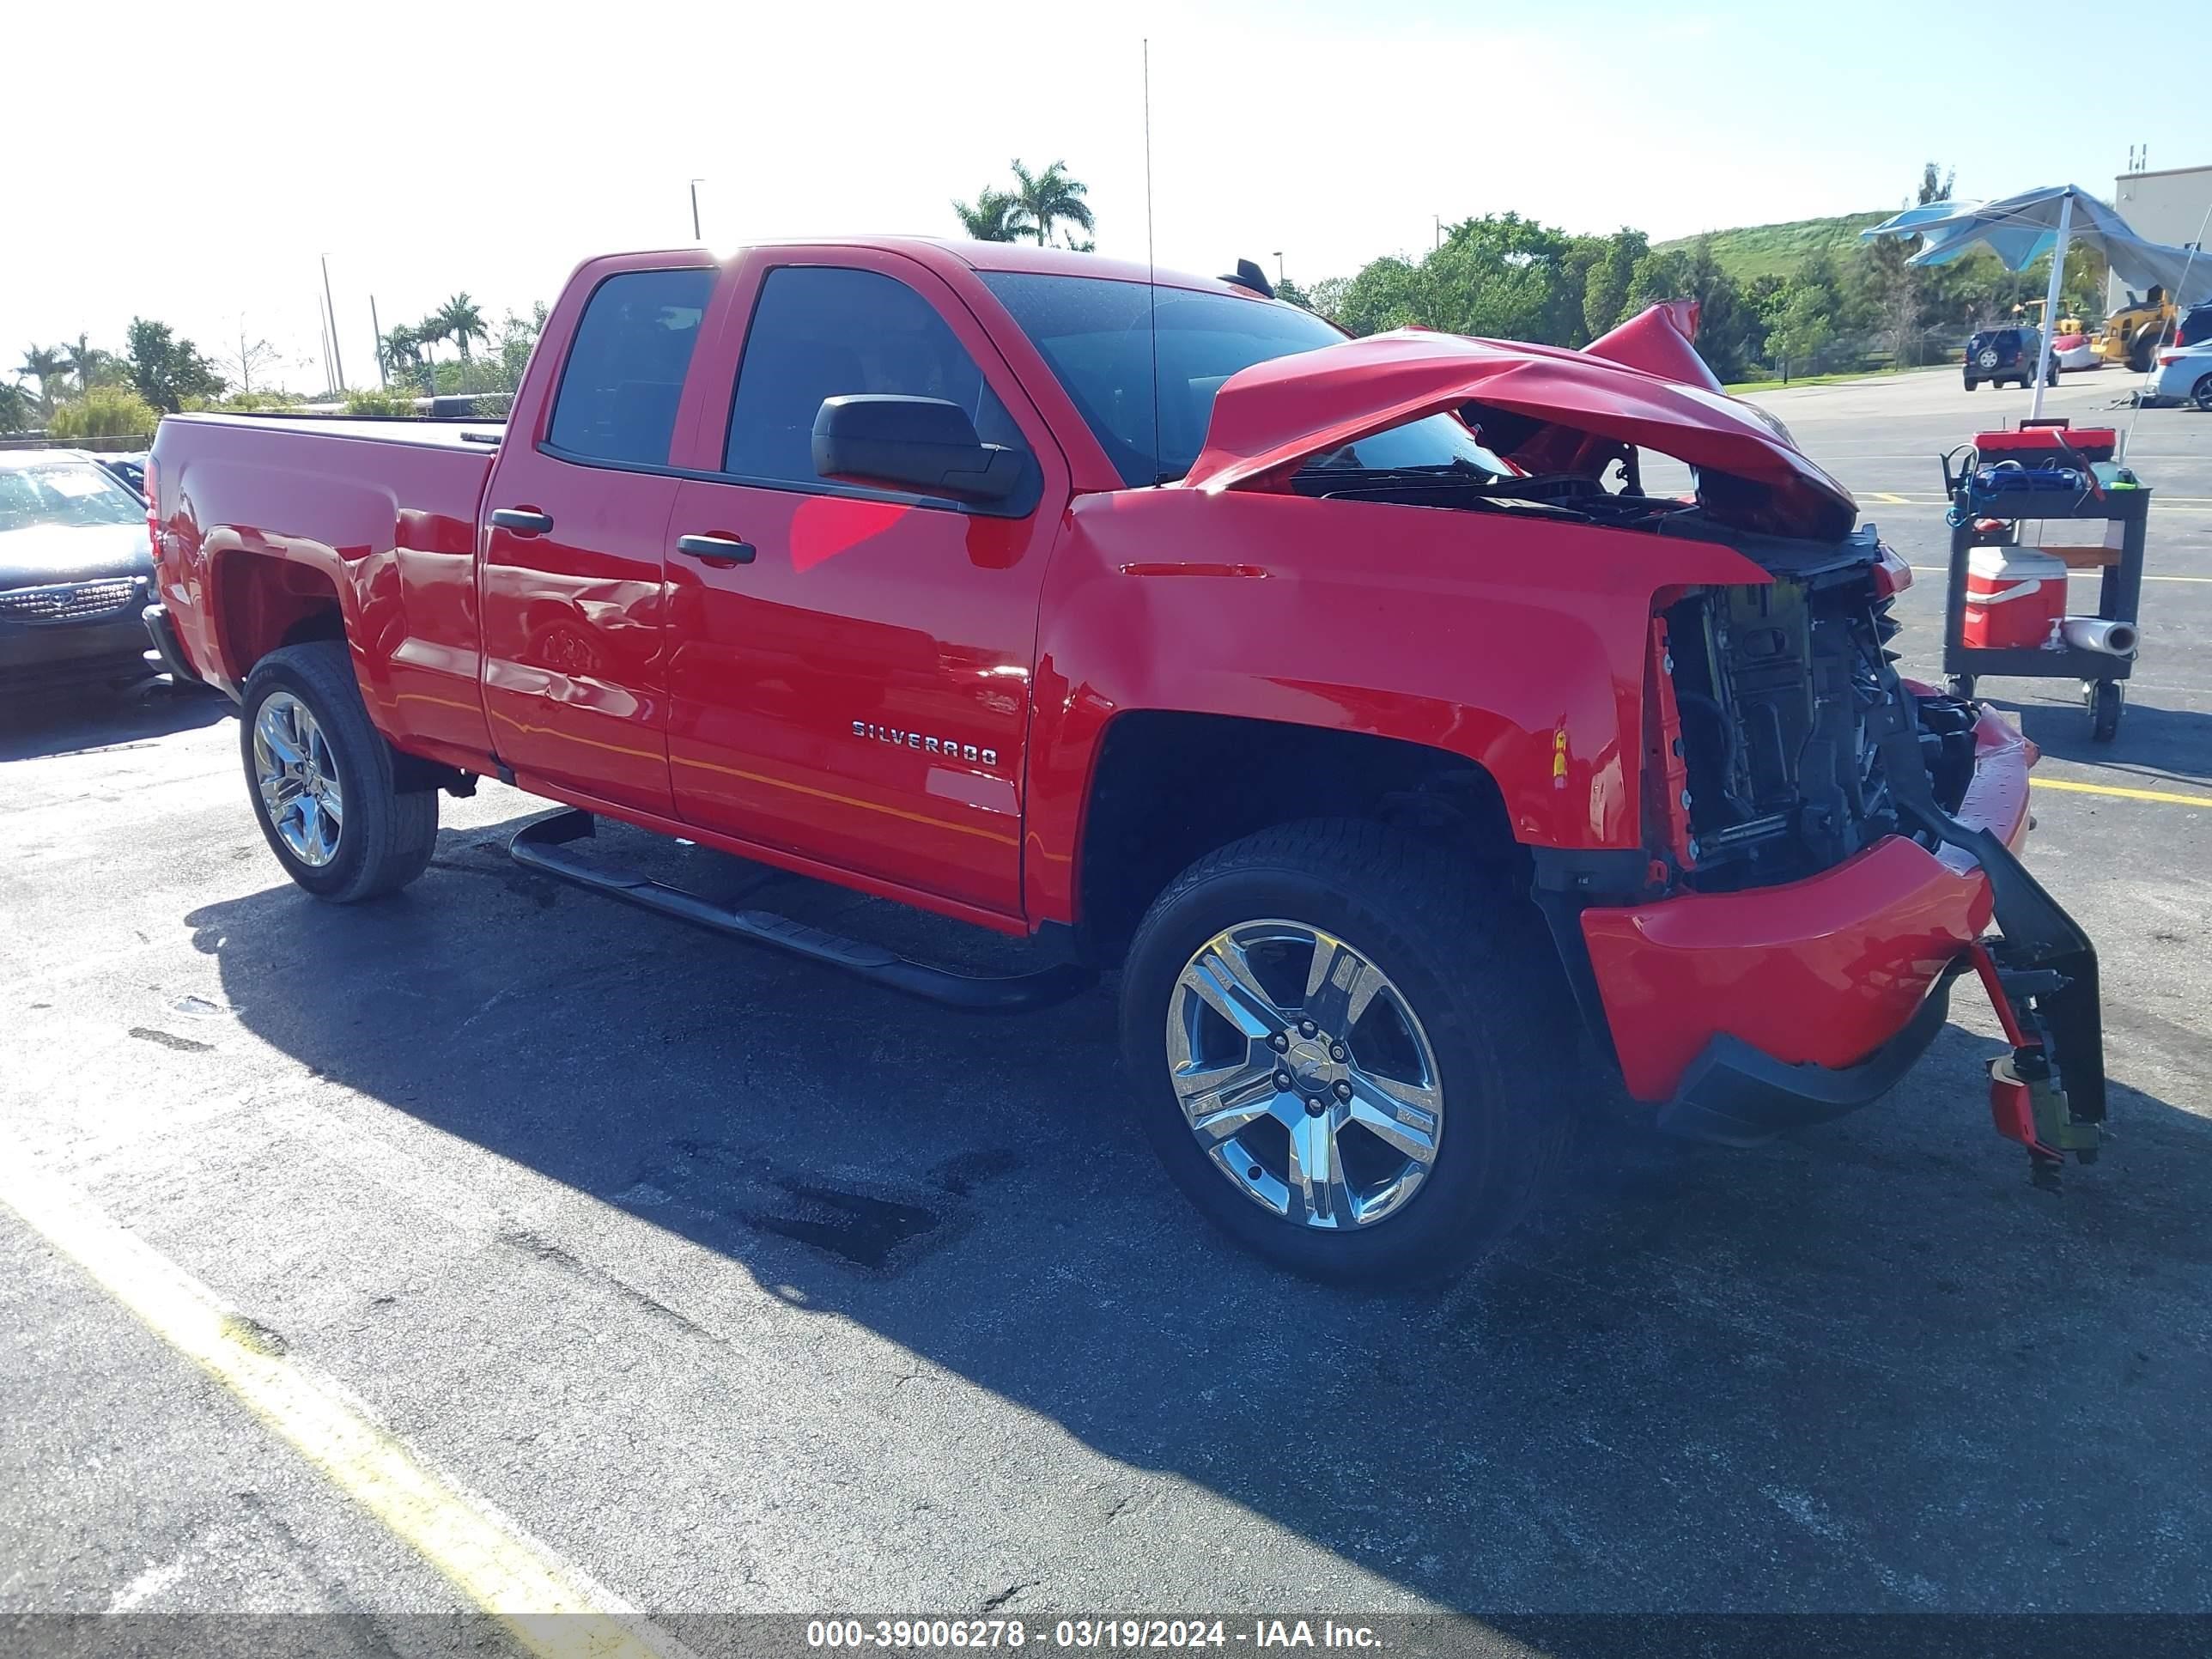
point(1998, 354)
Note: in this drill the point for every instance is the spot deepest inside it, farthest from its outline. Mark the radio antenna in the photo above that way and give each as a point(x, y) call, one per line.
point(1152, 285)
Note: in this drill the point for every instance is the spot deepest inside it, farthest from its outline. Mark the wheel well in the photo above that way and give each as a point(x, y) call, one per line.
point(264, 602)
point(1170, 788)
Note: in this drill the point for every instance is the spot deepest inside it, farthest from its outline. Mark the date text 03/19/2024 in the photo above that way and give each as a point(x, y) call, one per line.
point(1108, 1635)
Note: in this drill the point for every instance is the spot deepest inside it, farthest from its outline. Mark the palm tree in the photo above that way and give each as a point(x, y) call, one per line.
point(1049, 197)
point(459, 321)
point(46, 365)
point(997, 216)
point(86, 360)
point(400, 347)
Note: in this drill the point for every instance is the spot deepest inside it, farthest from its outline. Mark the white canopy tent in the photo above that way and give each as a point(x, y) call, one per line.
point(2019, 229)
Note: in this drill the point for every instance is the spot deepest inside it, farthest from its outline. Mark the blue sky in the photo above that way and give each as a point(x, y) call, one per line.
point(248, 138)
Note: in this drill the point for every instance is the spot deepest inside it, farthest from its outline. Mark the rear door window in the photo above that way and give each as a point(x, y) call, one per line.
point(625, 372)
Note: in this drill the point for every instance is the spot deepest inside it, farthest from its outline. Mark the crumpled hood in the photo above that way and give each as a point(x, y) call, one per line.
point(43, 555)
point(1273, 416)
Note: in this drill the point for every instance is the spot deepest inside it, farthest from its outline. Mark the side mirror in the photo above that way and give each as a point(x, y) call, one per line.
point(925, 444)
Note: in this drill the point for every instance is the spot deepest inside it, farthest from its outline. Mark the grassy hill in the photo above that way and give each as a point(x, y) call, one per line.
point(1751, 251)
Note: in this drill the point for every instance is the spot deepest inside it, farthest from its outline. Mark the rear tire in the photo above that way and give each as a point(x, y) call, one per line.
point(1491, 1028)
point(2201, 394)
point(383, 837)
point(1972, 383)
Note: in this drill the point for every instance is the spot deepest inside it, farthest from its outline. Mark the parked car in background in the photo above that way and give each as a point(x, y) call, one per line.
point(2195, 328)
point(1998, 354)
point(130, 469)
point(2186, 376)
point(75, 571)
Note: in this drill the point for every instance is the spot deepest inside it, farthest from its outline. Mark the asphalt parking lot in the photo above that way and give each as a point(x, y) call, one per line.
point(727, 1284)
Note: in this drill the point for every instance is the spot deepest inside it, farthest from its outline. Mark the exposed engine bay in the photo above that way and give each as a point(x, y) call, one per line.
point(1786, 692)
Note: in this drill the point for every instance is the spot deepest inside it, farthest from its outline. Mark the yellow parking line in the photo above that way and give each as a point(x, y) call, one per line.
point(2073, 788)
point(1894, 501)
point(550, 1609)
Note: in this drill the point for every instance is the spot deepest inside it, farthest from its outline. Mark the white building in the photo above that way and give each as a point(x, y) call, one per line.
point(2171, 205)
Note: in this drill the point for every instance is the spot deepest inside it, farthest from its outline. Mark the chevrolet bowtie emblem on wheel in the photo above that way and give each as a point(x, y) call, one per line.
point(929, 745)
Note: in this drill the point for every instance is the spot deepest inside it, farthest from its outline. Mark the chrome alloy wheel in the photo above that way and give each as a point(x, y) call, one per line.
point(298, 776)
point(1304, 1074)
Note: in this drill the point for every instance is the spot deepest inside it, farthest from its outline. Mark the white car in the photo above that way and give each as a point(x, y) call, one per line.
point(2185, 376)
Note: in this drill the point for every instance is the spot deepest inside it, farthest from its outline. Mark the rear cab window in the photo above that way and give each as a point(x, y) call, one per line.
point(624, 377)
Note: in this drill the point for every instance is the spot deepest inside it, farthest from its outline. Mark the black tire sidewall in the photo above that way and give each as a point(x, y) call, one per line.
point(1445, 1222)
point(364, 771)
point(2201, 394)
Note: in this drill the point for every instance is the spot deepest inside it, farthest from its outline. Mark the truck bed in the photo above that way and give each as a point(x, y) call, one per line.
point(383, 511)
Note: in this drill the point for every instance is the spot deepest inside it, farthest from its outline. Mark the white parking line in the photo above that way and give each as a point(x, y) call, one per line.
point(551, 1608)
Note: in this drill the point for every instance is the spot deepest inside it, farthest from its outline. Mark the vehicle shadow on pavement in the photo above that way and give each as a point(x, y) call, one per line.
point(57, 722)
point(1867, 1368)
point(2152, 743)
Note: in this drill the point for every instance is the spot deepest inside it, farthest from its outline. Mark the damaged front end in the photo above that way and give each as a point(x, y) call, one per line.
point(1828, 847)
point(1801, 750)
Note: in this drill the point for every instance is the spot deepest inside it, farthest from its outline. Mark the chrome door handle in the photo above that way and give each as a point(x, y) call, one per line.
point(522, 520)
point(717, 549)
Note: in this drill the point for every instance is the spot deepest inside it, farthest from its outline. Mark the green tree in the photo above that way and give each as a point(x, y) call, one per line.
point(166, 370)
point(1327, 296)
point(106, 412)
point(517, 338)
point(46, 365)
point(460, 321)
point(19, 411)
point(997, 216)
point(1799, 325)
point(1605, 287)
point(89, 366)
point(1387, 293)
point(1050, 197)
point(1724, 328)
point(400, 352)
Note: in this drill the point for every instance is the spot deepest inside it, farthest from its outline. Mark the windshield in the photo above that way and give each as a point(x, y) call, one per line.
point(71, 493)
point(1096, 335)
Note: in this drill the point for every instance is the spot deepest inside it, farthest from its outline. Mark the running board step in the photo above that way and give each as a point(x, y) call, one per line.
point(543, 843)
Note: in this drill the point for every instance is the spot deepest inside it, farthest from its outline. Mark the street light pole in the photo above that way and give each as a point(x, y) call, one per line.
point(696, 236)
point(338, 358)
point(1279, 267)
point(377, 329)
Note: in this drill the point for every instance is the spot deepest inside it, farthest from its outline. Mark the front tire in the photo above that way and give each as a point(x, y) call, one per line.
point(320, 777)
point(1351, 1051)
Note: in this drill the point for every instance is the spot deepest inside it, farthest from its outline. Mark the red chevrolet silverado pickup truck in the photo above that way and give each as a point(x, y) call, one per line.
point(1354, 697)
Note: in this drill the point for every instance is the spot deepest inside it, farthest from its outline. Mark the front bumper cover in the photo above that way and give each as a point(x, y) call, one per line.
point(1742, 1015)
point(1735, 1095)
